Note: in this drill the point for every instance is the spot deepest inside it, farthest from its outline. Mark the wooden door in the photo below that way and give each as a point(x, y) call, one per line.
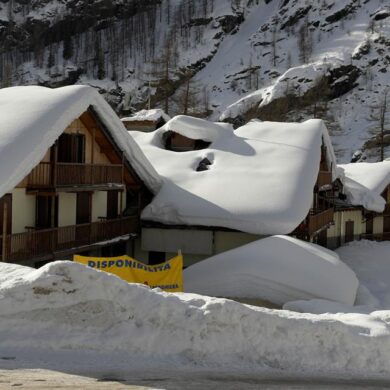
point(323, 238)
point(6, 199)
point(349, 228)
point(112, 204)
point(370, 225)
point(386, 224)
point(83, 208)
point(46, 212)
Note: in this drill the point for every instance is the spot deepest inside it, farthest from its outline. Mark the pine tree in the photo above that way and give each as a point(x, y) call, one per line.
point(67, 52)
point(99, 60)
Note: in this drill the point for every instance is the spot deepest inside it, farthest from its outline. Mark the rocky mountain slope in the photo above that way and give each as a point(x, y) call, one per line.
point(228, 59)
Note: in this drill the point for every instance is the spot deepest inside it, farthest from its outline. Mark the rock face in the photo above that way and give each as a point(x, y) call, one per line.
point(201, 56)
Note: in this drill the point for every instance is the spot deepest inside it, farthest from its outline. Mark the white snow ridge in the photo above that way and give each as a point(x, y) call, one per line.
point(65, 306)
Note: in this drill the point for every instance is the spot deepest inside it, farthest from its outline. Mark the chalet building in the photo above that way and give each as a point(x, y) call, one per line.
point(321, 215)
point(364, 212)
point(71, 180)
point(146, 120)
point(254, 181)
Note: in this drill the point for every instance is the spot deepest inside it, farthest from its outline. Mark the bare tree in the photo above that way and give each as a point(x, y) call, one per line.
point(187, 97)
point(274, 32)
point(305, 45)
point(379, 115)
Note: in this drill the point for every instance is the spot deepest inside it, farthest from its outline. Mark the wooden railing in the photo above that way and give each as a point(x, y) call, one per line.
point(40, 243)
point(318, 219)
point(376, 236)
point(47, 174)
point(324, 178)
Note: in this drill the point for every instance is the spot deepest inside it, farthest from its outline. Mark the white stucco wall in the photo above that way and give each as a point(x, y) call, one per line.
point(23, 210)
point(338, 229)
point(196, 245)
point(99, 205)
point(224, 241)
point(66, 209)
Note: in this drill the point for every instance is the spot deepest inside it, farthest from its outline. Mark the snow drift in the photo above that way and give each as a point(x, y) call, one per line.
point(65, 306)
point(370, 262)
point(277, 269)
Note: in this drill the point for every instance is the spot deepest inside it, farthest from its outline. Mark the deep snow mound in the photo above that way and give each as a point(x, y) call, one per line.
point(278, 269)
point(370, 262)
point(66, 306)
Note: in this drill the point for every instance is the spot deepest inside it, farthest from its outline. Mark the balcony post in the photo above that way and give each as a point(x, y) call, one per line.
point(93, 156)
point(123, 167)
point(54, 165)
point(3, 249)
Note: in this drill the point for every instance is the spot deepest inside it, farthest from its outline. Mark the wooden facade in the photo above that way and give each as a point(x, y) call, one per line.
point(321, 214)
point(83, 192)
point(145, 126)
point(356, 223)
point(179, 143)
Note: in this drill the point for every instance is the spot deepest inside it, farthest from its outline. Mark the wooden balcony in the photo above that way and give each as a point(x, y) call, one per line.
point(43, 244)
point(52, 175)
point(324, 178)
point(317, 219)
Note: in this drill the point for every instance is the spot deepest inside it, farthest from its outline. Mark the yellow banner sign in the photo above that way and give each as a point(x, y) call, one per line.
point(168, 276)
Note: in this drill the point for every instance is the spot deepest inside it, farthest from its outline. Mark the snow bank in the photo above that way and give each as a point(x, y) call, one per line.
point(152, 115)
point(65, 306)
point(262, 194)
point(365, 182)
point(32, 118)
point(277, 269)
point(320, 306)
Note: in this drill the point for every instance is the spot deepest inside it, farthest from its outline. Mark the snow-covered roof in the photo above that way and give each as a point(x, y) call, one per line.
point(278, 269)
point(152, 115)
point(33, 117)
point(260, 180)
point(196, 128)
point(365, 182)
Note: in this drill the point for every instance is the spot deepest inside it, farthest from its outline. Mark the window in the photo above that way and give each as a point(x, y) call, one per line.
point(71, 148)
point(114, 250)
